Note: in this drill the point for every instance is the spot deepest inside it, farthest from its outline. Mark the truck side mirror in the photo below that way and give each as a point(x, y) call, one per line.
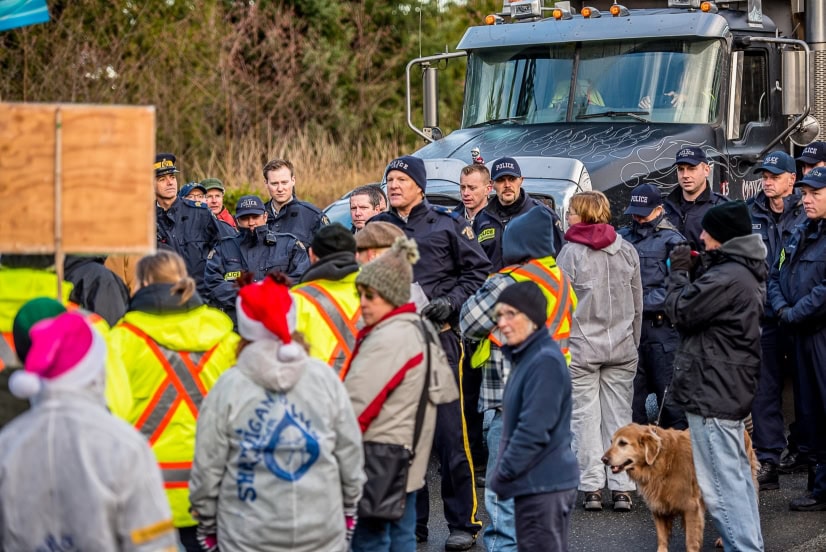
point(794, 81)
point(430, 79)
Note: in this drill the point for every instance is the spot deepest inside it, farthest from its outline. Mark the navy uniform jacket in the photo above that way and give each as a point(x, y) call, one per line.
point(451, 262)
point(775, 232)
point(257, 252)
point(490, 223)
point(653, 242)
point(687, 216)
point(96, 288)
point(190, 229)
point(299, 218)
point(798, 279)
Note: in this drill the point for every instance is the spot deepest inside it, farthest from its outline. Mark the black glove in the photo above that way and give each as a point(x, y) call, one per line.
point(784, 315)
point(439, 310)
point(680, 257)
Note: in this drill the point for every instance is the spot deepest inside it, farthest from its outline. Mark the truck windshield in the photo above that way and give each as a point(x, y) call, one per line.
point(671, 81)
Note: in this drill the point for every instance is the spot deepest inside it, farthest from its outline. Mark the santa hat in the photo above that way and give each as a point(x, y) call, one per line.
point(266, 311)
point(65, 351)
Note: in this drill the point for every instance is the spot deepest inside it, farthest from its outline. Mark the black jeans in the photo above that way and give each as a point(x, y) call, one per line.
point(543, 521)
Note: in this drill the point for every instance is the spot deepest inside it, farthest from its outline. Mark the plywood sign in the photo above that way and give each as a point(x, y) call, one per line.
point(76, 178)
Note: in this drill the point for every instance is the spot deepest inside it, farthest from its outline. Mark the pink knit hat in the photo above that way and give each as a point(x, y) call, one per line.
point(266, 311)
point(65, 352)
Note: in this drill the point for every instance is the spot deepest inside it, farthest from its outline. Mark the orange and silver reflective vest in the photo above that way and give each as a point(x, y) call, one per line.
point(173, 360)
point(557, 289)
point(19, 286)
point(328, 313)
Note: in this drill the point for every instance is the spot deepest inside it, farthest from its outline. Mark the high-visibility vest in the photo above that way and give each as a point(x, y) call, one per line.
point(332, 333)
point(8, 357)
point(169, 410)
point(559, 292)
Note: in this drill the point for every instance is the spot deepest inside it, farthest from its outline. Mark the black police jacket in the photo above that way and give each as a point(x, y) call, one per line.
point(717, 364)
point(258, 252)
point(299, 218)
point(96, 288)
point(798, 280)
point(190, 229)
point(490, 223)
point(452, 263)
point(653, 241)
point(687, 216)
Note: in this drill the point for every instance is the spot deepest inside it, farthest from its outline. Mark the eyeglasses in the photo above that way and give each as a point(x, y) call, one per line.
point(570, 213)
point(505, 315)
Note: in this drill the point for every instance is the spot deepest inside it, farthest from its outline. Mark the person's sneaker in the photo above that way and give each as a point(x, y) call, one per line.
point(622, 501)
point(767, 477)
point(793, 462)
point(593, 501)
point(808, 503)
point(459, 540)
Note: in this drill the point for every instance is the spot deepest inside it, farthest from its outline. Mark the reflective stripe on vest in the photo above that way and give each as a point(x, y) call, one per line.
point(7, 354)
point(182, 384)
point(553, 285)
point(344, 328)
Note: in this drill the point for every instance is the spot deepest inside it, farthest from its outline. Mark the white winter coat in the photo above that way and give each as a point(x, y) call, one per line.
point(74, 477)
point(278, 454)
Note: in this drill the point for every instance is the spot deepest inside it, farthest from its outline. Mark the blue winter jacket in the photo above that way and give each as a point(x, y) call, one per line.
point(536, 454)
point(653, 242)
point(797, 285)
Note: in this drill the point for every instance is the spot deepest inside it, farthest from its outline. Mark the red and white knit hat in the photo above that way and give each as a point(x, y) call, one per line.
point(66, 351)
point(266, 311)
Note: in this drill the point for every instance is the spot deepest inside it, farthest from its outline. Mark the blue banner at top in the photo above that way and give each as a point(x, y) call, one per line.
point(19, 13)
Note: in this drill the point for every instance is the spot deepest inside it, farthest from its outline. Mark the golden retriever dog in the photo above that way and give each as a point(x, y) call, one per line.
point(659, 461)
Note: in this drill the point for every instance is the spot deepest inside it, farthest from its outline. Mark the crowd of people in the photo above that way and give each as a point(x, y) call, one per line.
point(275, 381)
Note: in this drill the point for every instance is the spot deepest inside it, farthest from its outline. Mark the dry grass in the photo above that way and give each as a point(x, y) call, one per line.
point(324, 168)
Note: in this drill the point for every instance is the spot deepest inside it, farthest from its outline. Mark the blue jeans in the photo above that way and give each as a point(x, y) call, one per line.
point(500, 533)
point(724, 475)
point(378, 535)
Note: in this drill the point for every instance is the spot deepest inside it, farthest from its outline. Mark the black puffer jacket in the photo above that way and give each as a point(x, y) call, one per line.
point(718, 315)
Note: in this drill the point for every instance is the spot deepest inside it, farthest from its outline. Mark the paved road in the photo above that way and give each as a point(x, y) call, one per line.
point(783, 531)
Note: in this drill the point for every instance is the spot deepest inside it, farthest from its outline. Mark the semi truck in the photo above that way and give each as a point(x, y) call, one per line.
point(621, 89)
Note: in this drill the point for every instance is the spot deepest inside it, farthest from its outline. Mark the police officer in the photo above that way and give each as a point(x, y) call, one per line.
point(366, 202)
point(286, 213)
point(451, 268)
point(510, 201)
point(186, 227)
point(775, 212)
point(256, 250)
point(193, 191)
point(327, 305)
point(798, 298)
point(687, 203)
point(653, 236)
point(814, 155)
point(474, 188)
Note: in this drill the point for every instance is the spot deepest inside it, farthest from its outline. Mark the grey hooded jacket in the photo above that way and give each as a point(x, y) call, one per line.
point(278, 455)
point(608, 318)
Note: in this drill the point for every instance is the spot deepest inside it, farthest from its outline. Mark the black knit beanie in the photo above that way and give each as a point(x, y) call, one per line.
point(333, 238)
point(412, 167)
point(727, 220)
point(527, 298)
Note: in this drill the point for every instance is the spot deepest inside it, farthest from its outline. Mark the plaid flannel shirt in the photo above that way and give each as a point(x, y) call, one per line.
point(476, 322)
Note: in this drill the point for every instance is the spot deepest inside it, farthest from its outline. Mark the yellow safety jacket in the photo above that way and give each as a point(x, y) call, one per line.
point(19, 286)
point(328, 313)
point(561, 298)
point(173, 360)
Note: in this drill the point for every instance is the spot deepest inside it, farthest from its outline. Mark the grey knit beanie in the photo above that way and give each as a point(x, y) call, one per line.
point(391, 273)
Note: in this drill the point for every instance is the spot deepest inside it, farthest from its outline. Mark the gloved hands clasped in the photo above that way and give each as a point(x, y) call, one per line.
point(439, 310)
point(207, 534)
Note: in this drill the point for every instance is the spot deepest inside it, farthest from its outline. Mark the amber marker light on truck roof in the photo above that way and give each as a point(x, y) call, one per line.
point(708, 7)
point(617, 10)
point(589, 12)
point(560, 13)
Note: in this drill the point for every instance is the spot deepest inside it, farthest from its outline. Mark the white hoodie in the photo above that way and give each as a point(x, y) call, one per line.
point(278, 455)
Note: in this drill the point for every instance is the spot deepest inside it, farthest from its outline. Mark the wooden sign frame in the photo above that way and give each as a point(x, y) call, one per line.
point(77, 178)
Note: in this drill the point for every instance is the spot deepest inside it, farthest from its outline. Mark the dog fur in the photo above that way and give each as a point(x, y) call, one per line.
point(659, 461)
